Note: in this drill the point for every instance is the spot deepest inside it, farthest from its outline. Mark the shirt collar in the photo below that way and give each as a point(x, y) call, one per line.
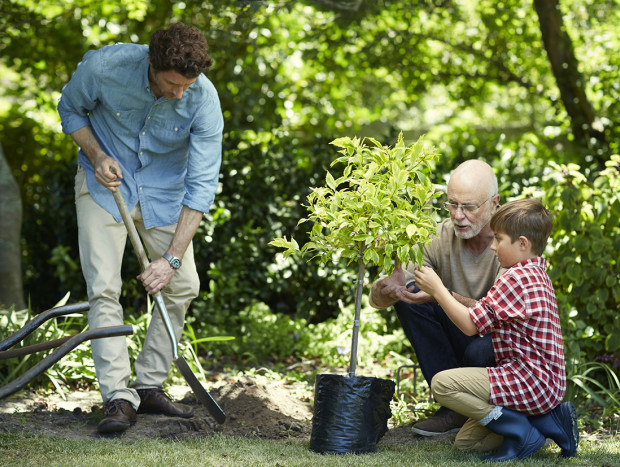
point(145, 74)
point(536, 261)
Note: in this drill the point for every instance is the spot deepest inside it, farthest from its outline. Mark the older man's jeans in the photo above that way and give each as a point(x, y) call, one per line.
point(438, 344)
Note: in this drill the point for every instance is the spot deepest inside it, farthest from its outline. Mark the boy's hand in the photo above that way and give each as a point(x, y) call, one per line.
point(428, 280)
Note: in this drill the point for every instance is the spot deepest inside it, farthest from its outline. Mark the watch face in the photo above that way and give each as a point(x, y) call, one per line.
point(175, 263)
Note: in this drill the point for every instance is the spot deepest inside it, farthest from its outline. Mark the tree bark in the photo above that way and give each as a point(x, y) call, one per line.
point(11, 287)
point(565, 68)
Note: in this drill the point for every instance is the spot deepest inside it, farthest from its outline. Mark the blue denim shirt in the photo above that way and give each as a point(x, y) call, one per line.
point(169, 150)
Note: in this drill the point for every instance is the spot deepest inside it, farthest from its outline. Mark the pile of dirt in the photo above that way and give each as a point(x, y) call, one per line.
point(270, 410)
point(267, 410)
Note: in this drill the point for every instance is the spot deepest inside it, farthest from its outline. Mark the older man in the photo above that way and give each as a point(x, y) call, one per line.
point(462, 257)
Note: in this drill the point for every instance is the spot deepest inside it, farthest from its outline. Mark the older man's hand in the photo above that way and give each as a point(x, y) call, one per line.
point(392, 289)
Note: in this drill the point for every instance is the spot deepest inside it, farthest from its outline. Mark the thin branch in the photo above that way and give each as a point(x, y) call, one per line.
point(469, 49)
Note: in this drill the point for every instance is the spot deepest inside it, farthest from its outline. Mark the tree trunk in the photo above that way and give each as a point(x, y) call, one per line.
point(11, 288)
point(565, 68)
point(359, 286)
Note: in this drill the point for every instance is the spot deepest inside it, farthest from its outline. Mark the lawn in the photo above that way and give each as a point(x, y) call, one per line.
point(28, 450)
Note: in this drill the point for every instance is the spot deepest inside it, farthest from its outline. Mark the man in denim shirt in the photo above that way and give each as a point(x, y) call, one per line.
point(148, 113)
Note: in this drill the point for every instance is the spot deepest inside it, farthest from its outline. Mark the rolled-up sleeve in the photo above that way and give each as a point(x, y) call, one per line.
point(80, 94)
point(205, 156)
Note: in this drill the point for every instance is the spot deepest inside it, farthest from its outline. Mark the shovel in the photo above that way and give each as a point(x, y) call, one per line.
point(201, 393)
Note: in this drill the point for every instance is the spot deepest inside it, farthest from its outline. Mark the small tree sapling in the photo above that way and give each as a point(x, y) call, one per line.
point(378, 212)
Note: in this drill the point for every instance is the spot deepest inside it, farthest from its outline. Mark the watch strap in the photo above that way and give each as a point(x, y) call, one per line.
point(175, 263)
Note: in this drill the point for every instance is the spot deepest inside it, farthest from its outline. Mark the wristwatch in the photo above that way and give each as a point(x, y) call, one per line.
point(175, 263)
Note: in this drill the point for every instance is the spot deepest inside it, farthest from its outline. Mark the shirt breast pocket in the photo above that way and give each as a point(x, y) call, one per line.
point(127, 122)
point(172, 136)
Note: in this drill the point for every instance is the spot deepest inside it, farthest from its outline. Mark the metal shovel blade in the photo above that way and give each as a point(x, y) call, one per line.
point(201, 394)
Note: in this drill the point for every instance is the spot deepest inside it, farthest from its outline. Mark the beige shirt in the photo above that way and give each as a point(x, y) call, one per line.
point(460, 270)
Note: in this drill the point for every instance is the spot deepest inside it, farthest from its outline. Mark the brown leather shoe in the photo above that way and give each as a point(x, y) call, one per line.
point(444, 421)
point(155, 400)
point(120, 415)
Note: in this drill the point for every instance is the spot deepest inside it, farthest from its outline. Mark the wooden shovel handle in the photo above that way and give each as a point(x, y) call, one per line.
point(129, 225)
point(144, 262)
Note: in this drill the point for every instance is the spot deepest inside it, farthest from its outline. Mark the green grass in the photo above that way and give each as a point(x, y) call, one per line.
point(380, 356)
point(28, 450)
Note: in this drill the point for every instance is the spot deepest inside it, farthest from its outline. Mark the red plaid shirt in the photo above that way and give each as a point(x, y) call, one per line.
point(521, 313)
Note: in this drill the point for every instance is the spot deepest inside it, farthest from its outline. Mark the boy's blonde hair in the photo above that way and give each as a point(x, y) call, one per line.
point(524, 217)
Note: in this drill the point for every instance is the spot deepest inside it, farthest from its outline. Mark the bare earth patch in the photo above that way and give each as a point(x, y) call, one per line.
point(269, 410)
point(265, 410)
point(261, 410)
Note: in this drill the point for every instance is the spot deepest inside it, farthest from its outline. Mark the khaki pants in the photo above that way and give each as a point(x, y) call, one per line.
point(102, 243)
point(467, 391)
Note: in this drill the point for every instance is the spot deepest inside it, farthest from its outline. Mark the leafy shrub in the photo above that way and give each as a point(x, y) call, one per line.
point(331, 339)
point(600, 385)
point(259, 334)
point(583, 255)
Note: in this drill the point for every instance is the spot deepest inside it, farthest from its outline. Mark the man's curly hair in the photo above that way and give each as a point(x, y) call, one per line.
point(180, 48)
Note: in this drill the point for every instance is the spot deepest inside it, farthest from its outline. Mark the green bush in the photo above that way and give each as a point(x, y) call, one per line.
point(331, 339)
point(262, 336)
point(265, 178)
point(583, 254)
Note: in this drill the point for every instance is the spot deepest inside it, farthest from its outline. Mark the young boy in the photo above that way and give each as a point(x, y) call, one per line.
point(520, 398)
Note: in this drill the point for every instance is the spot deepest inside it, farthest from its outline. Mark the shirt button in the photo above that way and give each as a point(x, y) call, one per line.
point(141, 152)
point(176, 129)
point(140, 188)
point(118, 114)
point(143, 133)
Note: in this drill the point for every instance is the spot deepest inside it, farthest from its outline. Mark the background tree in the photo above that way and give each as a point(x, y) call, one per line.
point(513, 83)
point(11, 291)
point(585, 126)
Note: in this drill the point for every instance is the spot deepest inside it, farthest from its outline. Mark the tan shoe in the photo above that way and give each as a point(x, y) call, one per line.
point(445, 421)
point(155, 400)
point(120, 415)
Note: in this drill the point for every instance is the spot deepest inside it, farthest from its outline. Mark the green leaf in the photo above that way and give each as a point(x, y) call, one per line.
point(342, 142)
point(411, 230)
point(573, 272)
point(329, 179)
point(419, 256)
point(612, 342)
point(371, 256)
point(284, 243)
point(212, 339)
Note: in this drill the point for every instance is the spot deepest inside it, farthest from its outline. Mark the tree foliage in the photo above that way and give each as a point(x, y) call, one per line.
point(484, 79)
point(378, 212)
point(584, 260)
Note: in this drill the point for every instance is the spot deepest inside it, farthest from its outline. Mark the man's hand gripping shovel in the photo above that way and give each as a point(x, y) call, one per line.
point(201, 393)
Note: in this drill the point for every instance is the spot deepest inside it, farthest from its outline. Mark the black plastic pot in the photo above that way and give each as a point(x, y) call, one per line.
point(350, 413)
